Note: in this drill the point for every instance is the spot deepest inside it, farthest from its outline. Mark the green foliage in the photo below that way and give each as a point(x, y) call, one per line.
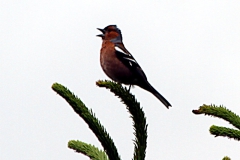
point(87, 115)
point(226, 158)
point(225, 132)
point(139, 123)
point(87, 149)
point(223, 113)
point(136, 112)
point(227, 115)
point(139, 119)
point(220, 112)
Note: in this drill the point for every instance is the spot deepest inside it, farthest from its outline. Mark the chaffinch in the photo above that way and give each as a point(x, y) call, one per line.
point(119, 65)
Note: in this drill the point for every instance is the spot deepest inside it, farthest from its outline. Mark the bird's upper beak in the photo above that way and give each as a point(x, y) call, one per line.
point(103, 32)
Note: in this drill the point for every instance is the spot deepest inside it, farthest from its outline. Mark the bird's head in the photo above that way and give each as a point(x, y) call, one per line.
point(111, 33)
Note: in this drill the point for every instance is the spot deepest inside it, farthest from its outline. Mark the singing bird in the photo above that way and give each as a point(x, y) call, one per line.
point(119, 64)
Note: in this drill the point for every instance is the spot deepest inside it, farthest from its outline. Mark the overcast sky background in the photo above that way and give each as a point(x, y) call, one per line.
point(189, 51)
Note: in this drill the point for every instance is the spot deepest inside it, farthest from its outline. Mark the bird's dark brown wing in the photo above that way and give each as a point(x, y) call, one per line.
point(128, 60)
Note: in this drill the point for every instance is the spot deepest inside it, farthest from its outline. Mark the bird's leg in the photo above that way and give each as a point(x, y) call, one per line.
point(129, 88)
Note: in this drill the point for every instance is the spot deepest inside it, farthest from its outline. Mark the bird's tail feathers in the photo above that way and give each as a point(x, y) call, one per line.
point(162, 99)
point(157, 94)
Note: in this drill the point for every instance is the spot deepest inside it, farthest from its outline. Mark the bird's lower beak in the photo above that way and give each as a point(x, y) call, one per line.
point(100, 35)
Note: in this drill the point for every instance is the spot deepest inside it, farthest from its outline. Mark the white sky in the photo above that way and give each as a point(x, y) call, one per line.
point(189, 51)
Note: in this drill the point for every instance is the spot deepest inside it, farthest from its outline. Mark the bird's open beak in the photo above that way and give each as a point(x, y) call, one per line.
point(103, 31)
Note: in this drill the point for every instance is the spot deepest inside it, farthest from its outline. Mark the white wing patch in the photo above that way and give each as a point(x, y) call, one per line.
point(128, 57)
point(130, 60)
point(120, 50)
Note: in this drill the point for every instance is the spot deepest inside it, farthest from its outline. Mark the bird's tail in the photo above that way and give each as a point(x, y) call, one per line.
point(150, 88)
point(161, 98)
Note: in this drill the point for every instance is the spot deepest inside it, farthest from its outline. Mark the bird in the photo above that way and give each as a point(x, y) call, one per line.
point(119, 64)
